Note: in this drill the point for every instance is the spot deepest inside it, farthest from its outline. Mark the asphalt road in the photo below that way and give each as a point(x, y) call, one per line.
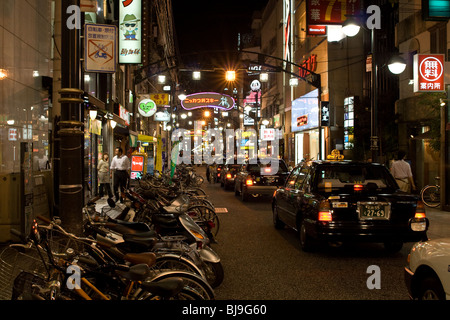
point(262, 263)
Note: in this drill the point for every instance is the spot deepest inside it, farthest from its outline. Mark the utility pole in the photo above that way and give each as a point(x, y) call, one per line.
point(70, 126)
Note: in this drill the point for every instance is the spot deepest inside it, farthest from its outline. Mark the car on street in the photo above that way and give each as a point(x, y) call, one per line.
point(427, 275)
point(338, 201)
point(259, 179)
point(227, 175)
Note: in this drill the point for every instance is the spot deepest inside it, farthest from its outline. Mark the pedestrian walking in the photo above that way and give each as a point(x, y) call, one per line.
point(121, 165)
point(104, 176)
point(401, 170)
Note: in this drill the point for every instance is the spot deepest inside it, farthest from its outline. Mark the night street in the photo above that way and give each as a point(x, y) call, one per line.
point(326, 121)
point(263, 263)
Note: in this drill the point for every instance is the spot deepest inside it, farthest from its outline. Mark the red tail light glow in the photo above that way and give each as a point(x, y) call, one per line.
point(249, 182)
point(358, 187)
point(420, 210)
point(325, 211)
point(228, 175)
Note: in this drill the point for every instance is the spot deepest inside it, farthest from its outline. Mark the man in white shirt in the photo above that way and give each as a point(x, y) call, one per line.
point(401, 170)
point(121, 165)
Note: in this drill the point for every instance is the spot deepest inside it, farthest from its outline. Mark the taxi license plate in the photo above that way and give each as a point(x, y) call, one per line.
point(369, 210)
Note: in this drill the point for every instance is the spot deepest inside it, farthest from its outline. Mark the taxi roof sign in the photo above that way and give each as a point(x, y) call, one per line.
point(335, 156)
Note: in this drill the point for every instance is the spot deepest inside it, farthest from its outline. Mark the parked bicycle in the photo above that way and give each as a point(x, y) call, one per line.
point(100, 275)
point(431, 194)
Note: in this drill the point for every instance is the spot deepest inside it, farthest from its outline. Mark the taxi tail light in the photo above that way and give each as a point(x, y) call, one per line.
point(358, 187)
point(420, 210)
point(249, 182)
point(325, 211)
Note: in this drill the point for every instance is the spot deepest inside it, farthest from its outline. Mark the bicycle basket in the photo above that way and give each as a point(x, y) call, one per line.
point(13, 263)
point(26, 285)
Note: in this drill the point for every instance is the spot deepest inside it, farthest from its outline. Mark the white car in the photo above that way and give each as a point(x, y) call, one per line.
point(427, 275)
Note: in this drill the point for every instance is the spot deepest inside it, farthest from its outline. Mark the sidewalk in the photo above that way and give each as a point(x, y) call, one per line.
point(439, 223)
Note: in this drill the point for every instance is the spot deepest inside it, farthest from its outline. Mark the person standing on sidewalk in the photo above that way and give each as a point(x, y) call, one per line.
point(121, 164)
point(104, 176)
point(401, 170)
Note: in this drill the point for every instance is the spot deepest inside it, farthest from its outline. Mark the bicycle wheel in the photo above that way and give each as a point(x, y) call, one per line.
point(431, 196)
point(198, 288)
point(174, 263)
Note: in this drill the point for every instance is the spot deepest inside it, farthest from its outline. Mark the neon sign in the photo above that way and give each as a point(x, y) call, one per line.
point(208, 100)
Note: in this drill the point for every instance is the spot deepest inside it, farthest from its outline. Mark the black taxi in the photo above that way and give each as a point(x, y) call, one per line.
point(338, 201)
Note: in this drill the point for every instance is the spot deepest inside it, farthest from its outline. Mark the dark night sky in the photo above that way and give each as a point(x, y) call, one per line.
point(203, 25)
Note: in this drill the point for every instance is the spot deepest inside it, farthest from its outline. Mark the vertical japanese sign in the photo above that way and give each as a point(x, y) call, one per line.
point(100, 48)
point(429, 73)
point(130, 31)
point(287, 30)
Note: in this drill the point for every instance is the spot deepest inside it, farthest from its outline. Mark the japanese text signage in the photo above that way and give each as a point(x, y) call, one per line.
point(124, 114)
point(326, 12)
point(130, 31)
point(268, 134)
point(12, 134)
point(208, 99)
point(325, 113)
point(161, 99)
point(310, 64)
point(429, 73)
point(100, 48)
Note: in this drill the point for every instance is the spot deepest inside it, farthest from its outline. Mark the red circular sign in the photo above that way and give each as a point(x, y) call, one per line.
point(431, 69)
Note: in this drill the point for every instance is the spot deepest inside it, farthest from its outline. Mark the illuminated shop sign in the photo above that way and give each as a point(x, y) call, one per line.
point(310, 64)
point(436, 10)
point(130, 31)
point(429, 73)
point(326, 12)
point(305, 112)
point(147, 107)
point(317, 30)
point(209, 100)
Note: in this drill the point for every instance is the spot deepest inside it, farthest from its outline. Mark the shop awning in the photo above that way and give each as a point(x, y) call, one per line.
point(144, 138)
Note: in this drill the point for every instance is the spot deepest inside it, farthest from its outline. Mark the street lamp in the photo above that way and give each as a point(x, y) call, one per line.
point(196, 75)
point(396, 65)
point(230, 75)
point(351, 27)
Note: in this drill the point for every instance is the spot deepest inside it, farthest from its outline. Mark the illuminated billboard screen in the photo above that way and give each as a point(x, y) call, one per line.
point(305, 112)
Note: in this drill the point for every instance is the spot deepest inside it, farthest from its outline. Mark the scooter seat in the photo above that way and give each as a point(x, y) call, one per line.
point(165, 220)
point(164, 288)
point(141, 241)
point(125, 227)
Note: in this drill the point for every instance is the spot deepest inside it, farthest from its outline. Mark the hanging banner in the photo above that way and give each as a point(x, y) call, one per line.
point(95, 126)
point(429, 73)
point(159, 150)
point(130, 31)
